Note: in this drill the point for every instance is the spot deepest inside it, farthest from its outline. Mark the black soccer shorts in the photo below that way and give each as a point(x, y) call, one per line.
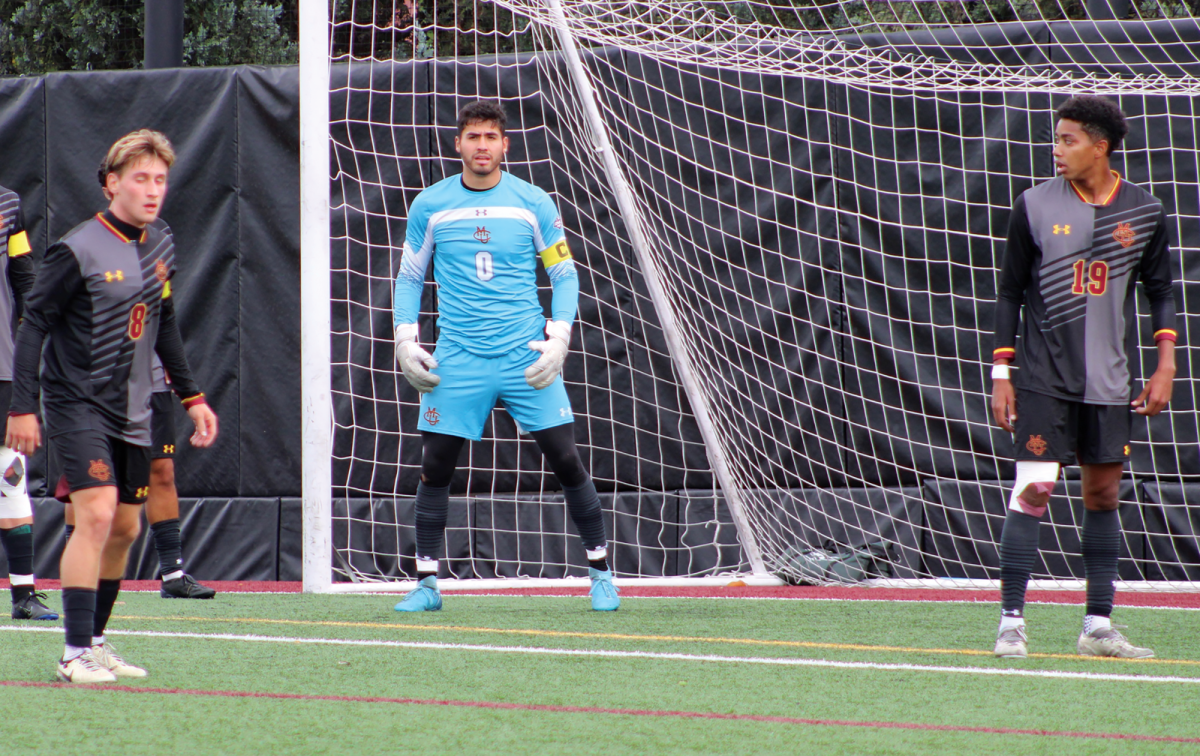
point(1049, 429)
point(162, 425)
point(92, 458)
point(5, 399)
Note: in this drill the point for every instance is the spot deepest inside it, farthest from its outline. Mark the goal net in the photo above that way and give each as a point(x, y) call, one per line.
point(788, 219)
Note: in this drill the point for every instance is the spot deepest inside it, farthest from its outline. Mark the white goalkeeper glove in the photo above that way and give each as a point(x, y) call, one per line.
point(414, 361)
point(554, 351)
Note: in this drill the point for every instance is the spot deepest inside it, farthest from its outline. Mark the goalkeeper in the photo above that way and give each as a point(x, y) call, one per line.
point(484, 230)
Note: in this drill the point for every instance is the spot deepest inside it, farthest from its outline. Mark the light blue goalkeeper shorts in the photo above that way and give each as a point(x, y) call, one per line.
point(471, 385)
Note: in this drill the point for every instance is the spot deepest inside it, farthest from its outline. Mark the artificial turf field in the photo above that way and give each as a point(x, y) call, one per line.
point(287, 673)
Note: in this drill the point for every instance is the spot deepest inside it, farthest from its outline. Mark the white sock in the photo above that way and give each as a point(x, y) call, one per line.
point(97, 640)
point(1094, 622)
point(427, 565)
point(72, 652)
point(172, 575)
point(1007, 622)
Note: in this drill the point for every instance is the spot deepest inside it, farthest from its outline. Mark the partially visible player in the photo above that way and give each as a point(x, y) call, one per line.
point(102, 306)
point(162, 506)
point(1077, 245)
point(16, 512)
point(484, 231)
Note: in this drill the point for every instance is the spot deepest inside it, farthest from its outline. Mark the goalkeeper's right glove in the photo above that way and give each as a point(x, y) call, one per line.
point(414, 361)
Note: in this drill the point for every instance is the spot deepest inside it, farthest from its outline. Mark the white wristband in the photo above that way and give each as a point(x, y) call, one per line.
point(1000, 373)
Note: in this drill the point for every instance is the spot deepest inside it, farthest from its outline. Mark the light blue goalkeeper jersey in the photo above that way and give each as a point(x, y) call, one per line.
point(484, 246)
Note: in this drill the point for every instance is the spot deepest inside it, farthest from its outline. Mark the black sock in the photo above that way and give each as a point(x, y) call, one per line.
point(1018, 555)
point(583, 504)
point(18, 544)
point(106, 596)
point(600, 565)
point(1101, 548)
point(433, 502)
point(79, 615)
point(169, 544)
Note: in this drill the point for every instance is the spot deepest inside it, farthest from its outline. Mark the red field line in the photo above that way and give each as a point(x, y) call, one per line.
point(1164, 599)
point(604, 710)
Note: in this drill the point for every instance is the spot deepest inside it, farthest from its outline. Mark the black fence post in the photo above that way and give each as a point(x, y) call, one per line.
point(164, 34)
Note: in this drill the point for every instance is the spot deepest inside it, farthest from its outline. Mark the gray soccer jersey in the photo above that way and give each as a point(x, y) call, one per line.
point(1074, 266)
point(14, 246)
point(98, 298)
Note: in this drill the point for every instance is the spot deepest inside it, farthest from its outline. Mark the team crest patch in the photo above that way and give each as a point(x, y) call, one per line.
point(432, 416)
point(160, 271)
point(1124, 234)
point(100, 470)
point(558, 222)
point(1037, 445)
point(1126, 450)
point(481, 233)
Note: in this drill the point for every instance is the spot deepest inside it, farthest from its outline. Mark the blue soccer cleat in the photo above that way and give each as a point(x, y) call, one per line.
point(424, 598)
point(603, 592)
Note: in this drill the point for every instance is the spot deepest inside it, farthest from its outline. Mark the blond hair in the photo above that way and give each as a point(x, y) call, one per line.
point(133, 148)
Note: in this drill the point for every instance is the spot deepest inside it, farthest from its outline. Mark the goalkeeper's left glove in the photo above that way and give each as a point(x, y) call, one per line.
point(554, 351)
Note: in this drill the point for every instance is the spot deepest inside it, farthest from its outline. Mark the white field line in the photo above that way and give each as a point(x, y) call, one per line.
point(542, 651)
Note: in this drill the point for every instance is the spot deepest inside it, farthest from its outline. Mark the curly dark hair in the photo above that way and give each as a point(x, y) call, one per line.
point(481, 110)
point(1099, 116)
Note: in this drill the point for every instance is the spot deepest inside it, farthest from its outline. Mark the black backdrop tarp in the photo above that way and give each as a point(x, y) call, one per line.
point(233, 203)
point(854, 208)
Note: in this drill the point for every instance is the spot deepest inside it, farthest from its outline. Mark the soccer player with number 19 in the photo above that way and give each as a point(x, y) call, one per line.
point(484, 230)
point(1077, 244)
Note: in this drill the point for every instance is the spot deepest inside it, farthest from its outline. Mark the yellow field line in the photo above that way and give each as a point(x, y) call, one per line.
point(631, 637)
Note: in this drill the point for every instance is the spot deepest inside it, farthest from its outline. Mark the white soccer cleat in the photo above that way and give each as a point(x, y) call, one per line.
point(106, 656)
point(1011, 643)
point(84, 669)
point(1109, 642)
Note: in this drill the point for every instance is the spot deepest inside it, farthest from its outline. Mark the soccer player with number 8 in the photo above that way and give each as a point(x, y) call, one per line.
point(484, 231)
point(102, 306)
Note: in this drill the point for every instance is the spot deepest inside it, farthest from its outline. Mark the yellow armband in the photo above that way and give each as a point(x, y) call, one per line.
point(555, 254)
point(18, 244)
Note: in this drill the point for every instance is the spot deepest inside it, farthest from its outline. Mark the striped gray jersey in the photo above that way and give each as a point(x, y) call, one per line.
point(1074, 266)
point(14, 242)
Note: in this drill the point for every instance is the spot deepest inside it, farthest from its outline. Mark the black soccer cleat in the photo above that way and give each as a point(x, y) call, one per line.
point(185, 587)
point(32, 608)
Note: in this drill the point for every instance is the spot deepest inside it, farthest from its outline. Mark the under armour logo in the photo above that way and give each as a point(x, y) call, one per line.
point(480, 212)
point(1065, 230)
point(564, 412)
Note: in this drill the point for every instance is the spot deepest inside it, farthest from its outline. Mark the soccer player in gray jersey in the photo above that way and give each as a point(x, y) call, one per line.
point(16, 512)
point(1077, 245)
point(102, 306)
point(162, 505)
